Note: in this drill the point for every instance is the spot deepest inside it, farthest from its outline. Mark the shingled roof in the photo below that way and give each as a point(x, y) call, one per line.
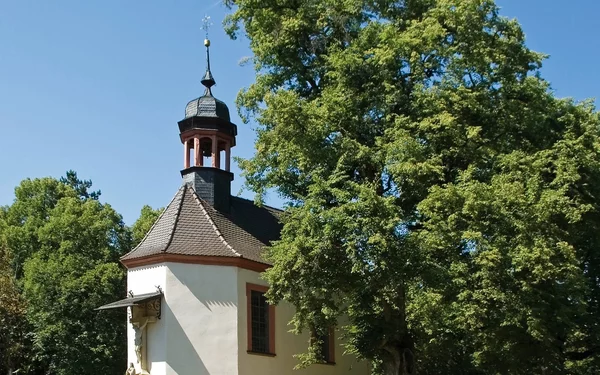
point(191, 226)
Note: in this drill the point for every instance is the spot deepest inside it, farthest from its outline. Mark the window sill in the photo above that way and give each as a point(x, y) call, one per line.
point(325, 363)
point(261, 353)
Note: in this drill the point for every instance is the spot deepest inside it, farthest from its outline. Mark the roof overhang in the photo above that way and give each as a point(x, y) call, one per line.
point(196, 259)
point(208, 124)
point(132, 301)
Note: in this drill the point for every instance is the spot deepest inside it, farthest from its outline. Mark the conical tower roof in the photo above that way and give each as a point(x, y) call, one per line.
point(189, 226)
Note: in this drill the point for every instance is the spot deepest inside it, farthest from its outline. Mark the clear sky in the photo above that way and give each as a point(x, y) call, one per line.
point(98, 86)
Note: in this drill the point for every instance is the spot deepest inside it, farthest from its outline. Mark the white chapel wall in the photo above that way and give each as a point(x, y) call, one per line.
point(286, 344)
point(141, 280)
point(203, 327)
point(201, 317)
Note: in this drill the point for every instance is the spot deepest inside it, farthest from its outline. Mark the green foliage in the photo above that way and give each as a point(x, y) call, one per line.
point(65, 246)
point(148, 216)
point(12, 312)
point(80, 186)
point(34, 199)
point(73, 338)
point(441, 198)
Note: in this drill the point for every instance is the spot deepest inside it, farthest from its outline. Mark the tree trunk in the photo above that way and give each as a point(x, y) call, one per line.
point(399, 360)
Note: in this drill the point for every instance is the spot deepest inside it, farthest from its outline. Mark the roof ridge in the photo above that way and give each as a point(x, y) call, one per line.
point(172, 233)
point(153, 225)
point(214, 226)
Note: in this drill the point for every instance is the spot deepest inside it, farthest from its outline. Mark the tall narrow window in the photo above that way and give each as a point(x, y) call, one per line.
point(261, 321)
point(326, 347)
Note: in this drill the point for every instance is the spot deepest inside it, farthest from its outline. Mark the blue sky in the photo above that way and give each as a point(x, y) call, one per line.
point(98, 86)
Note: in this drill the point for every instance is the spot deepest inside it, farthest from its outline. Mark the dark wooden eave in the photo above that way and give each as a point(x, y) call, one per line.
point(131, 301)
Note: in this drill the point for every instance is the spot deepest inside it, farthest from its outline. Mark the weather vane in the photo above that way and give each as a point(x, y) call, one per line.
point(208, 81)
point(206, 24)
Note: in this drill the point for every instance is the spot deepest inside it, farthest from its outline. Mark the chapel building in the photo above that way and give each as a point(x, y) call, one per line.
point(196, 300)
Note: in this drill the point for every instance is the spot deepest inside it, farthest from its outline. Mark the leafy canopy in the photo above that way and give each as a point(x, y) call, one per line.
point(148, 216)
point(60, 247)
point(12, 311)
point(442, 199)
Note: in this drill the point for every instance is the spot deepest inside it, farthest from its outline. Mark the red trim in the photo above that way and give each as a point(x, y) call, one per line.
point(205, 133)
point(196, 259)
point(263, 289)
point(259, 353)
point(331, 346)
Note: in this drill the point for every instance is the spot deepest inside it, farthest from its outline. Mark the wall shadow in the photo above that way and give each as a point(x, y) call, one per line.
point(182, 359)
point(194, 289)
point(201, 309)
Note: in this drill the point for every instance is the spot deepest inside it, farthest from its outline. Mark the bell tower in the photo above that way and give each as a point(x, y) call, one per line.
point(207, 135)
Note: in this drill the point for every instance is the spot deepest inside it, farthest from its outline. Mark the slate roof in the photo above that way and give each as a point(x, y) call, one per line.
point(207, 106)
point(191, 226)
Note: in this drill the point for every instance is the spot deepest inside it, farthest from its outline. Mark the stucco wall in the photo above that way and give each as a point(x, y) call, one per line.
point(203, 327)
point(201, 316)
point(286, 343)
point(142, 280)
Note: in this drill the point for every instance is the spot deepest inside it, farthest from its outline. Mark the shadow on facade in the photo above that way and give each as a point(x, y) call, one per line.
point(183, 358)
point(207, 292)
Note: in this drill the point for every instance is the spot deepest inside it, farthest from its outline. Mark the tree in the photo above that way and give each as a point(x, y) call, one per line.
point(66, 246)
point(148, 216)
point(12, 313)
point(441, 198)
point(34, 199)
point(80, 186)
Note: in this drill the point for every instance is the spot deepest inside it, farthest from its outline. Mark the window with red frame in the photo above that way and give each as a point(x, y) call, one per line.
point(261, 321)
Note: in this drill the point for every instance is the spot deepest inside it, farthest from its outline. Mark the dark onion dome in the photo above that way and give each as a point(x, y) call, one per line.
point(207, 106)
point(208, 112)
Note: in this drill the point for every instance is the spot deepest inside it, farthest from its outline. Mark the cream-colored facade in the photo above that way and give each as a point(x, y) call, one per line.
point(203, 326)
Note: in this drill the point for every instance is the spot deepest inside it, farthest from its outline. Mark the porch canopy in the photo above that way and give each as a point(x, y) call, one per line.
point(131, 301)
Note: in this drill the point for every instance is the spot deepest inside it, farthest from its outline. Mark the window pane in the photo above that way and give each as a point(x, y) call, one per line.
point(260, 322)
point(325, 355)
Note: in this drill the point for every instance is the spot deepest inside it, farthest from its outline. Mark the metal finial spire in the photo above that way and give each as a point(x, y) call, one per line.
point(208, 81)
